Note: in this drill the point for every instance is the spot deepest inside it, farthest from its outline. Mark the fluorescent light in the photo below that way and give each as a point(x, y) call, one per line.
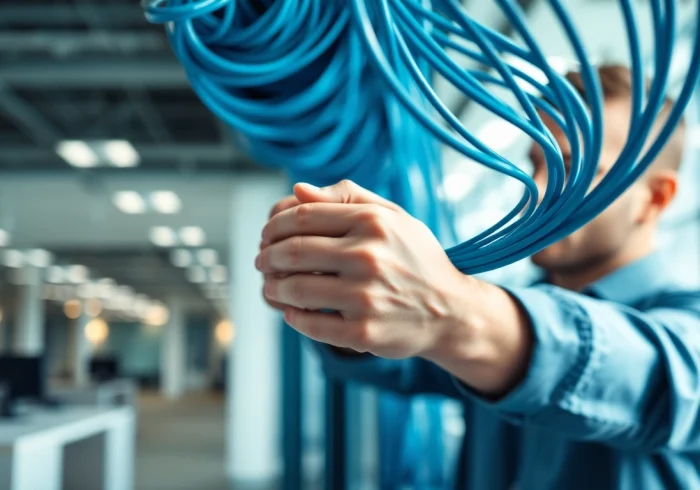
point(163, 236)
point(141, 305)
point(192, 236)
point(207, 257)
point(4, 238)
point(129, 202)
point(55, 275)
point(499, 134)
point(196, 274)
point(181, 257)
point(105, 288)
point(87, 290)
point(39, 258)
point(121, 153)
point(77, 153)
point(77, 274)
point(219, 274)
point(166, 202)
point(13, 258)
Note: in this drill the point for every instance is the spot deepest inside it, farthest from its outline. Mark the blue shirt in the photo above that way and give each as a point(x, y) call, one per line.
point(611, 399)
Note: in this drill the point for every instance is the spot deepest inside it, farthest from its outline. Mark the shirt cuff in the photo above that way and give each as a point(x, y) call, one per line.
point(561, 351)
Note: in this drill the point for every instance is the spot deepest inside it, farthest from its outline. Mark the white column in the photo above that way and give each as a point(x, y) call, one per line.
point(29, 331)
point(173, 353)
point(253, 386)
point(81, 350)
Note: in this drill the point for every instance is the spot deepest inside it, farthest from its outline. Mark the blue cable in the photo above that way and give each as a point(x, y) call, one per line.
point(329, 89)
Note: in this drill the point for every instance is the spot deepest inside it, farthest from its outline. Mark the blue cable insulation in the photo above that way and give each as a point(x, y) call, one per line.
point(330, 90)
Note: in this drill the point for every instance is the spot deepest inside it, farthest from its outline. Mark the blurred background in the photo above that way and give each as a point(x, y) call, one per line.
point(136, 350)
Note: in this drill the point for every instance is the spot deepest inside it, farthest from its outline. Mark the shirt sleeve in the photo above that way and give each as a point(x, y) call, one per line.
point(407, 377)
point(605, 372)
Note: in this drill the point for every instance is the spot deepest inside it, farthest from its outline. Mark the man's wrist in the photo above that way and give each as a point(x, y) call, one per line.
point(487, 341)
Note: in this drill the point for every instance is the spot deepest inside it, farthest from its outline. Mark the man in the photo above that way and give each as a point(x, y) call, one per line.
point(589, 381)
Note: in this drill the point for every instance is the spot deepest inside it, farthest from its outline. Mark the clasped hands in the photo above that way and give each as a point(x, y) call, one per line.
point(351, 269)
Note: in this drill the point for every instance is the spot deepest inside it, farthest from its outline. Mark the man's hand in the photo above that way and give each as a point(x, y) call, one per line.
point(353, 270)
point(389, 283)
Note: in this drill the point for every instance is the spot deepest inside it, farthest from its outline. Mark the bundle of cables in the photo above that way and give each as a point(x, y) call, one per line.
point(333, 89)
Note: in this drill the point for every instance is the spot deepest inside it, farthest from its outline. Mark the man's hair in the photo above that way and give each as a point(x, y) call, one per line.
point(616, 84)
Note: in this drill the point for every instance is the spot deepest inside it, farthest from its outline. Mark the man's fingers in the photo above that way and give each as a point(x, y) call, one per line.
point(310, 292)
point(301, 254)
point(329, 328)
point(284, 204)
point(344, 192)
point(273, 304)
point(322, 219)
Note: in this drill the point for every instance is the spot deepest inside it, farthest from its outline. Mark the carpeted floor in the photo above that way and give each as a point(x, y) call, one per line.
point(180, 445)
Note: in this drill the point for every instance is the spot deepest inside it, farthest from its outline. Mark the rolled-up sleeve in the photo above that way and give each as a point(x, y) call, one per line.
point(605, 372)
point(408, 376)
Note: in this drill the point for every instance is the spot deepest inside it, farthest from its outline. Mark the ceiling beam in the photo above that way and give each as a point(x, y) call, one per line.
point(158, 152)
point(69, 43)
point(150, 115)
point(26, 117)
point(94, 74)
point(68, 15)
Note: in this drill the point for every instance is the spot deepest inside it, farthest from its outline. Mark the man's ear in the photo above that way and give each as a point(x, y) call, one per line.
point(661, 187)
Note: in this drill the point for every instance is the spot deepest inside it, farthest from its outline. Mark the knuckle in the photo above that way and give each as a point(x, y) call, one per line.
point(296, 291)
point(375, 221)
point(365, 299)
point(276, 209)
point(265, 262)
point(365, 335)
point(303, 212)
point(281, 205)
point(370, 259)
point(347, 188)
point(295, 253)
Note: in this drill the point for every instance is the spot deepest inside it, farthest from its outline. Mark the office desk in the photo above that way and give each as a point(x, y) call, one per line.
point(33, 449)
point(108, 394)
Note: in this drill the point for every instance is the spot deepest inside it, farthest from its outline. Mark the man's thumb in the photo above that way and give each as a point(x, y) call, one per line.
point(344, 191)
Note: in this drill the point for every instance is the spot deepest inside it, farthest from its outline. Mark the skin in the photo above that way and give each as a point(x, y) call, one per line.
point(394, 293)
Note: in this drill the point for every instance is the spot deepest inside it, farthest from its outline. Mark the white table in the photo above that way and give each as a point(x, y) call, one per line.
point(32, 448)
point(108, 394)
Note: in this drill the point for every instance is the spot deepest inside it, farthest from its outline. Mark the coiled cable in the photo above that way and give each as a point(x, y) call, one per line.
point(330, 89)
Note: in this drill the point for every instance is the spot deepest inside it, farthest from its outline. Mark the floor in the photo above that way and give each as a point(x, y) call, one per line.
point(180, 445)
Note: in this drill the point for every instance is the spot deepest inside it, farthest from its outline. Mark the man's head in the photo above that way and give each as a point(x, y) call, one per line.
point(624, 231)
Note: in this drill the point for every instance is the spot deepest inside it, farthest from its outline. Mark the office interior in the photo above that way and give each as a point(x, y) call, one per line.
point(136, 351)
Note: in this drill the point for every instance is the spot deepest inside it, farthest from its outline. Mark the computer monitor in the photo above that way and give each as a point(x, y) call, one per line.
point(104, 368)
point(24, 376)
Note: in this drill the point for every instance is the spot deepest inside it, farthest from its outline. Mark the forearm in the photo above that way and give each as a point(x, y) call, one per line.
point(488, 343)
point(594, 370)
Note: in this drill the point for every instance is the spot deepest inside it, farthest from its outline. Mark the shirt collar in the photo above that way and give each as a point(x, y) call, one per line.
point(631, 283)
